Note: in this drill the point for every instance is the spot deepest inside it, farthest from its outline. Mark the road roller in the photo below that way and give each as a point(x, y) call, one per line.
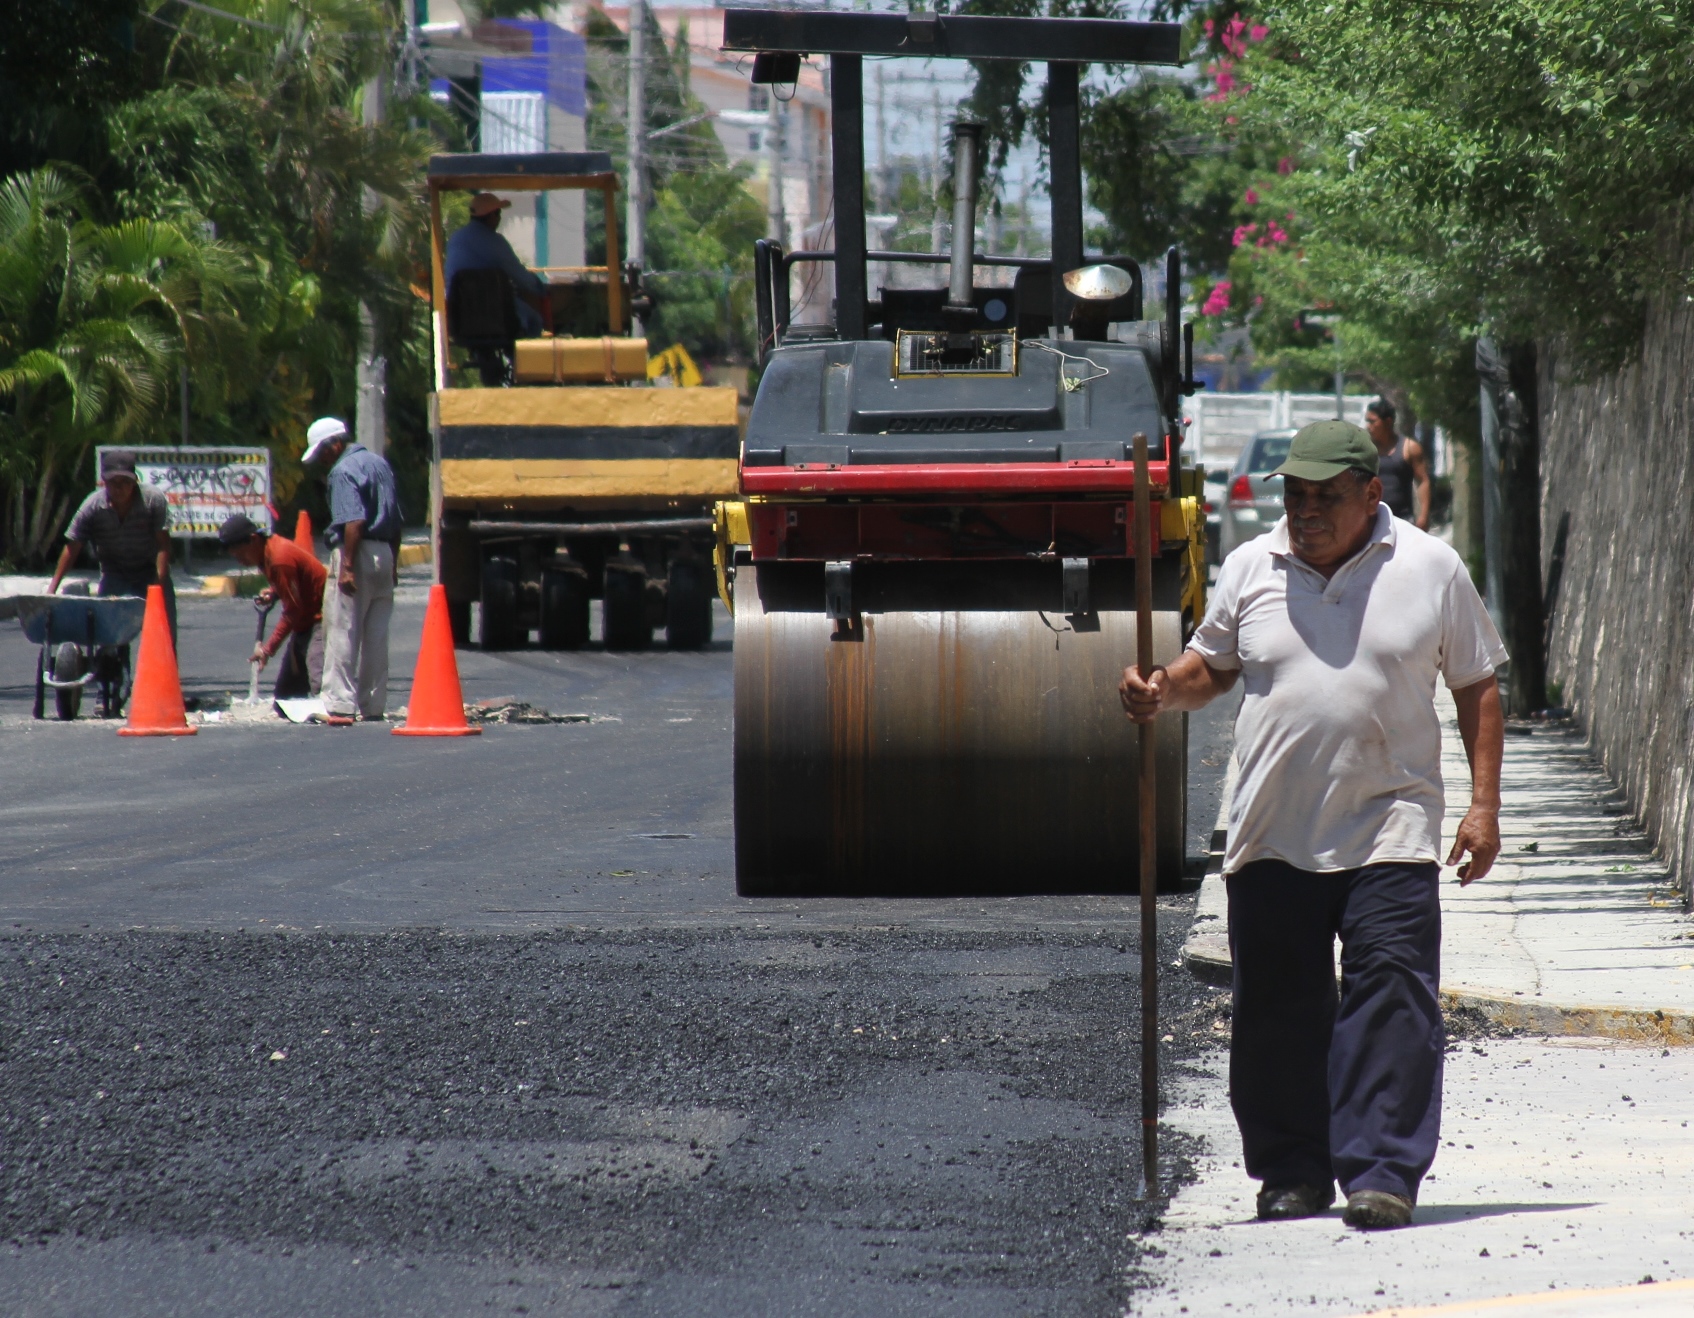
point(566, 476)
point(932, 562)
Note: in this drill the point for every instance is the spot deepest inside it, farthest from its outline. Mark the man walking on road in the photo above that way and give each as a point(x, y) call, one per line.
point(1339, 621)
point(297, 580)
point(364, 528)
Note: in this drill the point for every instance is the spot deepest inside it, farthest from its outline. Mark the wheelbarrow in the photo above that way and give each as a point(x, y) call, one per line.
point(83, 640)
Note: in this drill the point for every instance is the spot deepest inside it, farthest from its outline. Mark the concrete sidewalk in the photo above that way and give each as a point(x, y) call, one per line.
point(1576, 930)
point(1566, 1167)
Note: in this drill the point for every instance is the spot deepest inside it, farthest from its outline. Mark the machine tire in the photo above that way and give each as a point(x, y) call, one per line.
point(626, 624)
point(688, 604)
point(500, 604)
point(67, 667)
point(459, 619)
point(564, 609)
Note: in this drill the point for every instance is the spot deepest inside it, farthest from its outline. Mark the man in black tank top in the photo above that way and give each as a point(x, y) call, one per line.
point(1400, 466)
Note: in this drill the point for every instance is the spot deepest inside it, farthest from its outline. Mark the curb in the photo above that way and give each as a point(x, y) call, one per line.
point(1205, 952)
point(1673, 1029)
point(1205, 955)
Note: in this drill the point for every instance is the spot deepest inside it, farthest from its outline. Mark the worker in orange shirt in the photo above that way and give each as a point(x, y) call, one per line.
point(297, 582)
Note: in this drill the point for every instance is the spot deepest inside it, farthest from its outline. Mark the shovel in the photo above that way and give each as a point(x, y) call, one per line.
point(263, 609)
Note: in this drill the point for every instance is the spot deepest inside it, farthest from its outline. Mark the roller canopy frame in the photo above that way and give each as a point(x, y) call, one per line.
point(953, 36)
point(1063, 44)
point(544, 171)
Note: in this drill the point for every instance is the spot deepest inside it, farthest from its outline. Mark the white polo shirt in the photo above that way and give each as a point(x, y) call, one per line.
point(1337, 746)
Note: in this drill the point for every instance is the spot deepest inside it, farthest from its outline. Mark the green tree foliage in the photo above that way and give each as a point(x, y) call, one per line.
point(1522, 158)
point(243, 120)
point(93, 320)
point(1517, 169)
point(701, 222)
point(700, 237)
point(256, 132)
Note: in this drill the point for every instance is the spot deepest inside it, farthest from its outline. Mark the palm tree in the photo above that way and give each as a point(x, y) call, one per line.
point(93, 321)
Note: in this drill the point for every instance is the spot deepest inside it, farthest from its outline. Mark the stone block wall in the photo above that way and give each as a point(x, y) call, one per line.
point(1617, 547)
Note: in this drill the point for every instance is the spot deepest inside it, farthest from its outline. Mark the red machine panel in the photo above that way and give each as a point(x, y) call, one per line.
point(952, 480)
point(913, 530)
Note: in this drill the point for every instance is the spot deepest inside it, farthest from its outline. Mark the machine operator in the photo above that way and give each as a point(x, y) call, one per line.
point(479, 246)
point(129, 526)
point(1338, 622)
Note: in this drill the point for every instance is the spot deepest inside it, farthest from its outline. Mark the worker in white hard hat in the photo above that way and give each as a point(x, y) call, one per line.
point(364, 528)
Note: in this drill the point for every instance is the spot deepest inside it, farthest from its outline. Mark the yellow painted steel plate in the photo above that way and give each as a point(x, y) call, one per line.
point(495, 479)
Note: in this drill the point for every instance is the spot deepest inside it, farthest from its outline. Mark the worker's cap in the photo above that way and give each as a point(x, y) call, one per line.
point(117, 462)
point(325, 430)
point(1328, 448)
point(486, 203)
point(237, 529)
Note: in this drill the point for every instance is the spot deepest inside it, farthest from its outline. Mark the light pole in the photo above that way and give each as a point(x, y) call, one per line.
point(637, 128)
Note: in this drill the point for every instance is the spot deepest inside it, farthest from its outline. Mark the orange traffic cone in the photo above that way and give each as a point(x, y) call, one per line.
point(155, 701)
point(437, 708)
point(303, 533)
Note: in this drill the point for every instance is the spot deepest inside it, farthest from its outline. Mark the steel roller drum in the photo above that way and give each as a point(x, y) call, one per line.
point(970, 749)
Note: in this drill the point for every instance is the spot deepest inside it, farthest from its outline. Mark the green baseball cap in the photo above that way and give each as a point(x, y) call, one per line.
point(1328, 448)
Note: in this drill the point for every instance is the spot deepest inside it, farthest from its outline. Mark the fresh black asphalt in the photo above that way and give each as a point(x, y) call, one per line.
point(320, 1021)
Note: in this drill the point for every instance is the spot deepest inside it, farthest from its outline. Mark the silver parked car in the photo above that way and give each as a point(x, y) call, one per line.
point(1217, 488)
point(1253, 502)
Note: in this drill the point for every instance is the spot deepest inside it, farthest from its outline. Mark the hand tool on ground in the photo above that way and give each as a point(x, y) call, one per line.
point(262, 607)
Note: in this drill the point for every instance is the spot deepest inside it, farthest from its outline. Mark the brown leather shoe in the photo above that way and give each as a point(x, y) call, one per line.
point(1377, 1210)
point(1281, 1203)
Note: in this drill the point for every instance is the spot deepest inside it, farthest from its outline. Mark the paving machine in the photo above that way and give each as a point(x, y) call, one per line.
point(570, 474)
point(931, 566)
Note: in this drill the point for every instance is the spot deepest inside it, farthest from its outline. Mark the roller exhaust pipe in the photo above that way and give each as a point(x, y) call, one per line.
point(967, 137)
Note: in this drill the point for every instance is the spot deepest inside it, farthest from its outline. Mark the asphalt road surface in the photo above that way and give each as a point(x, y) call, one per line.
point(301, 1020)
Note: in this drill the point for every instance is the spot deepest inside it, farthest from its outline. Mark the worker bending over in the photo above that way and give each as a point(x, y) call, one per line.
point(296, 582)
point(129, 526)
point(1339, 620)
point(364, 528)
point(479, 246)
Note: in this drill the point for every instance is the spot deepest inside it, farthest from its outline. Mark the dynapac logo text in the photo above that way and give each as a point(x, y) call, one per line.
point(952, 424)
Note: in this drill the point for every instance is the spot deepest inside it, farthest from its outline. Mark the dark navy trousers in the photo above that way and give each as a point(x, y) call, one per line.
point(1341, 1088)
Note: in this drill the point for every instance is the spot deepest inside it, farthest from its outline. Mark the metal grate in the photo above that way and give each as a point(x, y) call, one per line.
point(938, 352)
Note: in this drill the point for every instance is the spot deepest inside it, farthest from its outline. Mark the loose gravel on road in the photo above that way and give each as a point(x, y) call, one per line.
point(918, 1114)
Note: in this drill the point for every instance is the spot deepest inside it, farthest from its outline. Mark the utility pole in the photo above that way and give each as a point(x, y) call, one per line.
point(370, 417)
point(776, 215)
point(881, 146)
point(935, 167)
point(636, 224)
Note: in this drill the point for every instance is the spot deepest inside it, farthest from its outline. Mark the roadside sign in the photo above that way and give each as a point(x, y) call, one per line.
point(205, 485)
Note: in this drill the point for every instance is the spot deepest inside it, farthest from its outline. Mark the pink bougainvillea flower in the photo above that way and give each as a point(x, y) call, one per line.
point(1258, 32)
point(1232, 32)
point(1251, 197)
point(1217, 301)
point(1242, 233)
point(1285, 166)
